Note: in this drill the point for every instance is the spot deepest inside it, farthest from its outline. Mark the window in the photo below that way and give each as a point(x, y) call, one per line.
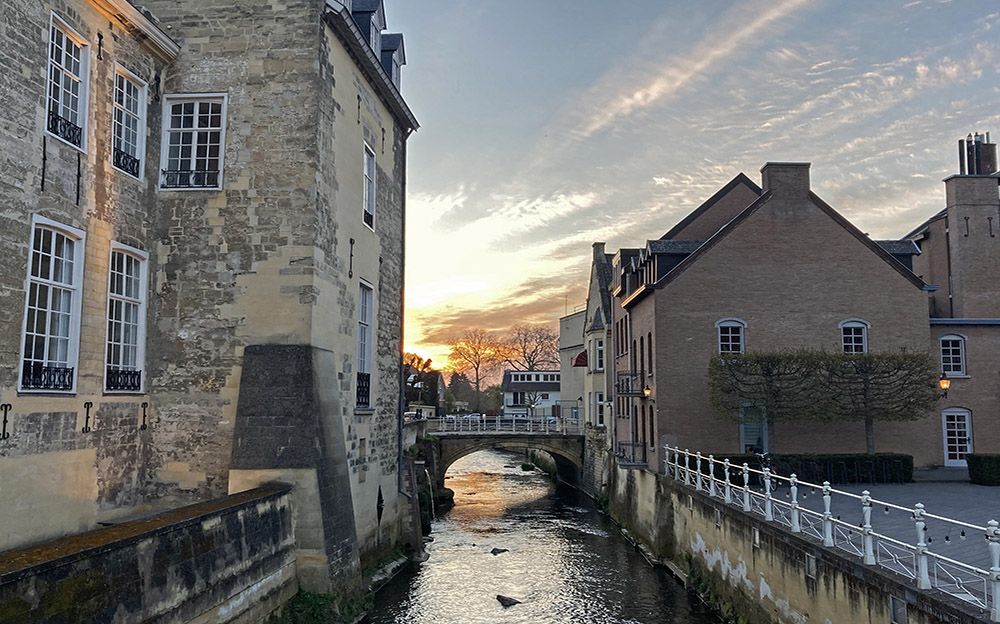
point(126, 320)
point(642, 354)
point(897, 611)
point(395, 72)
point(129, 130)
point(652, 427)
point(953, 355)
point(731, 339)
point(364, 345)
point(369, 190)
point(52, 308)
point(545, 396)
point(194, 133)
point(375, 38)
point(599, 354)
point(600, 408)
point(67, 84)
point(854, 336)
point(649, 353)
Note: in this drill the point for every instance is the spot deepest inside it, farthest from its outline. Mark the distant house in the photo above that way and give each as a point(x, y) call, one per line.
point(531, 393)
point(571, 373)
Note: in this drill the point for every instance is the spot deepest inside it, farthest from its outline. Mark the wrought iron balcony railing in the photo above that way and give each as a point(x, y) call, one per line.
point(121, 380)
point(629, 384)
point(126, 162)
point(65, 129)
point(36, 376)
point(631, 453)
point(187, 178)
point(364, 390)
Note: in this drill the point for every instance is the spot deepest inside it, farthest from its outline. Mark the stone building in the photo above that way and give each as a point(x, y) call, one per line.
point(203, 213)
point(571, 374)
point(774, 267)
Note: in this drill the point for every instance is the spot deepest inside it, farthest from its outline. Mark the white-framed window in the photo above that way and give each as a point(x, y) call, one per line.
point(368, 203)
point(365, 306)
point(126, 338)
point(68, 71)
point(375, 36)
point(731, 334)
point(50, 337)
point(395, 72)
point(129, 122)
point(544, 396)
point(599, 354)
point(854, 336)
point(600, 408)
point(953, 355)
point(192, 151)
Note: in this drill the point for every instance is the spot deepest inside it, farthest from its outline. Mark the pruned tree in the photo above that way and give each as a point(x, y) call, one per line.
point(478, 354)
point(773, 387)
point(531, 347)
point(816, 385)
point(879, 386)
point(421, 380)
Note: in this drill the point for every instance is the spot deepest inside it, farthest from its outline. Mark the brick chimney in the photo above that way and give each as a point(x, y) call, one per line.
point(786, 180)
point(973, 208)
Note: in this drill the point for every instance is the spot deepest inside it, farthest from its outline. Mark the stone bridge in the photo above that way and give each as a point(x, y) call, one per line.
point(563, 444)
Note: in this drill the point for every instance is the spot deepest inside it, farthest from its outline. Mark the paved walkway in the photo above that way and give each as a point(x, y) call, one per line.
point(974, 504)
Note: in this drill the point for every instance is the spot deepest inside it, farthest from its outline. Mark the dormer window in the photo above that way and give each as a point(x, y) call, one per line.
point(395, 72)
point(375, 38)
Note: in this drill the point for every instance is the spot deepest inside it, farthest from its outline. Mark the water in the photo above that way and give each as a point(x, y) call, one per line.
point(566, 562)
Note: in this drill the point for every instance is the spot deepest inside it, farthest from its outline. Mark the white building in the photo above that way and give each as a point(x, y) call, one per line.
point(531, 393)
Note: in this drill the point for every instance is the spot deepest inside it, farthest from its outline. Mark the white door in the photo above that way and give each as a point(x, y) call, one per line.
point(956, 427)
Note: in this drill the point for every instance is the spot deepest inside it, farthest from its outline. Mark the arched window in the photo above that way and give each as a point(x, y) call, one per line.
point(649, 351)
point(732, 337)
point(854, 336)
point(953, 355)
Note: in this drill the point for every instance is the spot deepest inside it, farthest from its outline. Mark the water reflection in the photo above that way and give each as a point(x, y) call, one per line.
point(565, 561)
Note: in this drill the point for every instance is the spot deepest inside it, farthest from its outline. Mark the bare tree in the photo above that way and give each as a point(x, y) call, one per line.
point(531, 347)
point(478, 354)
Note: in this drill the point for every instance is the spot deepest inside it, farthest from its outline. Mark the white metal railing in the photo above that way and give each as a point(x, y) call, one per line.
point(915, 560)
point(505, 424)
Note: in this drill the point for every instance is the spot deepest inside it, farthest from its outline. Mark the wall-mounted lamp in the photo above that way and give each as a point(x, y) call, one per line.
point(647, 392)
point(944, 383)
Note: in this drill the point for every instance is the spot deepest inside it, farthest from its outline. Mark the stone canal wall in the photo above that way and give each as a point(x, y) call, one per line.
point(230, 560)
point(756, 572)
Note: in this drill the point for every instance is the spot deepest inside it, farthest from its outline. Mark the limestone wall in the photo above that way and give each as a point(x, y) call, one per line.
point(225, 561)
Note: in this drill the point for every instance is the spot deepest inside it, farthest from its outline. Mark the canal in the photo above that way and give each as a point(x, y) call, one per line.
point(565, 561)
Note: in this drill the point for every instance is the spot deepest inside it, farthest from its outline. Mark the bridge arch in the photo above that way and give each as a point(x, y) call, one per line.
point(567, 451)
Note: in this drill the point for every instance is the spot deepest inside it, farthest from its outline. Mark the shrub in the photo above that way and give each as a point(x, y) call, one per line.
point(984, 469)
point(835, 468)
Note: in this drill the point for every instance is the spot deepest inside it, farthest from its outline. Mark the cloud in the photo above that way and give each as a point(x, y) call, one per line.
point(740, 28)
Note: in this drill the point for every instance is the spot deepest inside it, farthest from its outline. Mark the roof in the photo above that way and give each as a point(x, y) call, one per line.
point(672, 246)
point(917, 231)
point(741, 178)
point(392, 41)
point(366, 6)
point(347, 30)
point(899, 247)
point(819, 203)
point(143, 26)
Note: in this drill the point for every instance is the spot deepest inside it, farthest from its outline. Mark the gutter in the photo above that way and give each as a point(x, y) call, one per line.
point(140, 25)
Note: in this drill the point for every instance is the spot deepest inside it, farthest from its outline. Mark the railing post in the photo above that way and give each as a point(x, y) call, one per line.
point(697, 465)
point(768, 501)
point(711, 476)
point(866, 527)
point(687, 468)
point(746, 487)
point(794, 490)
point(993, 540)
point(827, 516)
point(923, 578)
point(729, 484)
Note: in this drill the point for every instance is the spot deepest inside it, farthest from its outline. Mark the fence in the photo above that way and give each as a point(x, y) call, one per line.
point(912, 559)
point(505, 424)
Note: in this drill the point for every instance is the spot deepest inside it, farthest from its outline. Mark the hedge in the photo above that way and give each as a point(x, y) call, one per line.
point(984, 469)
point(835, 468)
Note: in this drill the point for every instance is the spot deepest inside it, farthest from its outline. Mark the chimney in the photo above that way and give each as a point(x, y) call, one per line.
point(977, 155)
point(786, 179)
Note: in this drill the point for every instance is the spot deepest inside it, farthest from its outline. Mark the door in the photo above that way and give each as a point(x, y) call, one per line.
point(957, 430)
point(753, 431)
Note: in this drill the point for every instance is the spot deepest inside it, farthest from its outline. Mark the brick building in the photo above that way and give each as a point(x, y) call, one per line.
point(203, 209)
point(772, 268)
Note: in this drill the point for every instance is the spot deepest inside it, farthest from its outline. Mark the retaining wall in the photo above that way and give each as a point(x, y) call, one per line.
point(230, 560)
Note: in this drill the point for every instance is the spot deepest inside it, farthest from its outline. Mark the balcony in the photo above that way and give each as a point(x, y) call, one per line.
point(629, 385)
point(126, 162)
point(121, 380)
point(65, 129)
point(364, 398)
point(189, 179)
point(631, 454)
point(37, 376)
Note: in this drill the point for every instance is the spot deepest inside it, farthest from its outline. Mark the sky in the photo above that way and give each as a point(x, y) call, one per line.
point(547, 125)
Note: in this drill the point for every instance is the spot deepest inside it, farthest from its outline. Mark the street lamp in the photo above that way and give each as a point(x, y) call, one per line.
point(944, 383)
